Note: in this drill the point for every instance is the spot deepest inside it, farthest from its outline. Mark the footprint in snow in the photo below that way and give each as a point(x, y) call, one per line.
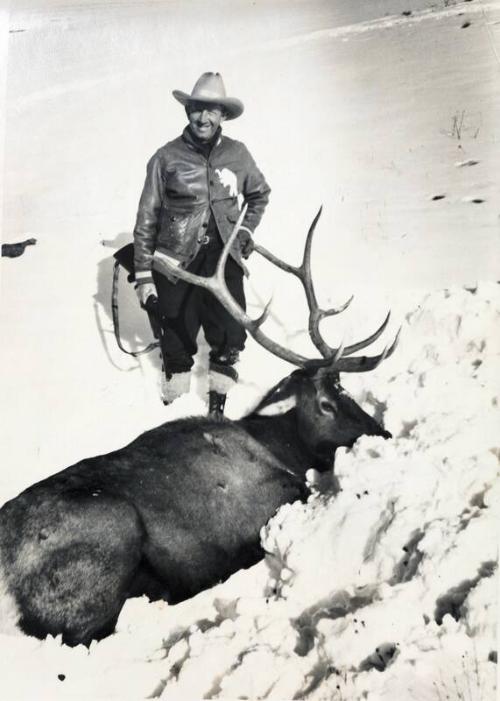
point(474, 200)
point(468, 162)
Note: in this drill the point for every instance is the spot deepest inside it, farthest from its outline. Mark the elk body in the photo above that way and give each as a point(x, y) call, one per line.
point(180, 508)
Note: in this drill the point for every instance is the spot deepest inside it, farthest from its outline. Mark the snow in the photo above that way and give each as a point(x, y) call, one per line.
point(389, 589)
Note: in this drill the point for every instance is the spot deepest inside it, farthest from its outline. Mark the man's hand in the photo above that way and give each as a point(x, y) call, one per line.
point(144, 291)
point(246, 242)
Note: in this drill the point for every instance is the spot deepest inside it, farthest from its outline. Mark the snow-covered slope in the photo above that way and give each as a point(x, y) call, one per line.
point(386, 590)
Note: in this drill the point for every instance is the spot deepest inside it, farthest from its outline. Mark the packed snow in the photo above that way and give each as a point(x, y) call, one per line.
point(388, 113)
point(384, 590)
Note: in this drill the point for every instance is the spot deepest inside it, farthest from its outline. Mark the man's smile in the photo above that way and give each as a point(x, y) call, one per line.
point(205, 119)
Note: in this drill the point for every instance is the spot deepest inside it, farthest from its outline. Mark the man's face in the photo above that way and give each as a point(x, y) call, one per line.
point(204, 119)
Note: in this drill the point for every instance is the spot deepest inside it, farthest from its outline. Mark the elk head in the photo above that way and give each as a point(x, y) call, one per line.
point(327, 416)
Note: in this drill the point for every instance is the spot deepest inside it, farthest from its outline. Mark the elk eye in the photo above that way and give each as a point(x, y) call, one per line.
point(327, 407)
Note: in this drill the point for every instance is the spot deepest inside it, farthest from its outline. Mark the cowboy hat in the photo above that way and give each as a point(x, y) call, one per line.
point(210, 88)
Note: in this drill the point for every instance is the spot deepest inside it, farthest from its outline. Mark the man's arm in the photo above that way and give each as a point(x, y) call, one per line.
point(146, 227)
point(255, 193)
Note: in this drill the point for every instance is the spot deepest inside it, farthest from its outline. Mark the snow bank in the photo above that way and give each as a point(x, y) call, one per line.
point(387, 590)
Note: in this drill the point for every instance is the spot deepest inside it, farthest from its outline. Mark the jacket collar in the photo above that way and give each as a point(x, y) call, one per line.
point(205, 148)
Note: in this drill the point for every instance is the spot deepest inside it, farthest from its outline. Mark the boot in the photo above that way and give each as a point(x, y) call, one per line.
point(216, 403)
point(221, 378)
point(174, 386)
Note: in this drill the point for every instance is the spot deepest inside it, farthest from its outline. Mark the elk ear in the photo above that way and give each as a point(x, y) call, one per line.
point(281, 398)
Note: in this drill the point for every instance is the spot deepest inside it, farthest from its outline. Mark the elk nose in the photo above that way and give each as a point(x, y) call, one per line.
point(378, 430)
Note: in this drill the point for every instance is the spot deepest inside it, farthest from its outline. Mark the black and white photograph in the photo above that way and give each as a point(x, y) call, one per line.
point(250, 350)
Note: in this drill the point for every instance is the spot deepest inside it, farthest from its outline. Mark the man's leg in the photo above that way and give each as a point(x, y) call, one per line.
point(226, 338)
point(180, 323)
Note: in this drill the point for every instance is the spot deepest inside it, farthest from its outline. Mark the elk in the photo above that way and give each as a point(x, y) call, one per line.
point(180, 508)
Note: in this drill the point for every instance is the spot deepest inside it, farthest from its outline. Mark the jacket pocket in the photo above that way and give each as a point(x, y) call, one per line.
point(232, 215)
point(179, 232)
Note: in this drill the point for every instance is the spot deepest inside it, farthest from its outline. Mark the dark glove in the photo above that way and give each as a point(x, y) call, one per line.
point(246, 243)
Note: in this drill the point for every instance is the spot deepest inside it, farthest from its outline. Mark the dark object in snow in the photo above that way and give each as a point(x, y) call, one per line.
point(438, 197)
point(14, 250)
point(465, 25)
point(61, 677)
point(180, 508)
point(468, 162)
point(407, 567)
point(380, 659)
point(477, 200)
point(453, 601)
point(406, 13)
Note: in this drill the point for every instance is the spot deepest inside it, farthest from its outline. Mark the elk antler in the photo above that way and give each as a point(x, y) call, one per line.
point(303, 272)
point(334, 357)
point(217, 285)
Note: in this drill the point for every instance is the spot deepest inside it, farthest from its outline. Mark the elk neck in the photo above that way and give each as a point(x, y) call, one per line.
point(280, 435)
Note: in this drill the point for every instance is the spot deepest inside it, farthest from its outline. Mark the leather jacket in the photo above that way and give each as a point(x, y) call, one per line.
point(185, 187)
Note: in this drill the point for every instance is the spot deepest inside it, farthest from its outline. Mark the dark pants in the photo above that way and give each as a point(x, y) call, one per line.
point(185, 308)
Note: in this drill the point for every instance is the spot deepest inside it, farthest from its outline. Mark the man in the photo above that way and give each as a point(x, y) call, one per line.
point(190, 202)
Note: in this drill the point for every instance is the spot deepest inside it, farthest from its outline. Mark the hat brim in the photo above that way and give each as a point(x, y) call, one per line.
point(233, 107)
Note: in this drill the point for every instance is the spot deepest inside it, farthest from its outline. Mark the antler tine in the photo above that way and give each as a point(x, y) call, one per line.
point(353, 348)
point(315, 317)
point(217, 285)
point(339, 353)
point(364, 363)
point(306, 260)
point(303, 273)
point(265, 313)
point(315, 314)
point(221, 263)
point(336, 310)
